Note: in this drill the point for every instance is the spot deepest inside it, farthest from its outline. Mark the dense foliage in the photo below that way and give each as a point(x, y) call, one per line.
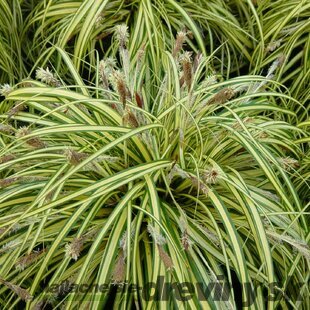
point(148, 139)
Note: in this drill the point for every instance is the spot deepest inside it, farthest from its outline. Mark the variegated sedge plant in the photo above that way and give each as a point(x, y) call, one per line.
point(284, 29)
point(12, 66)
point(83, 28)
point(177, 174)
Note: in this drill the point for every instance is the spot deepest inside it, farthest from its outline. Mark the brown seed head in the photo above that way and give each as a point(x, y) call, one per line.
point(122, 35)
point(74, 157)
point(33, 141)
point(8, 181)
point(130, 119)
point(186, 62)
point(6, 129)
point(74, 249)
point(180, 39)
point(222, 96)
point(120, 85)
point(288, 163)
point(22, 293)
point(119, 272)
point(211, 175)
point(28, 259)
point(165, 257)
point(18, 107)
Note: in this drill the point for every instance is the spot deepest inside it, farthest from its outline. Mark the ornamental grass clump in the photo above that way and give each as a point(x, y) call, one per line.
point(12, 65)
point(149, 174)
point(83, 28)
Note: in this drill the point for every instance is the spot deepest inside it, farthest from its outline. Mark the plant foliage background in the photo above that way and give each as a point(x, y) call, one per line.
point(145, 139)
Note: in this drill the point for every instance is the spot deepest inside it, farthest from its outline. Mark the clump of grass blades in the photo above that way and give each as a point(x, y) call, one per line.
point(285, 31)
point(145, 174)
point(12, 66)
point(85, 27)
